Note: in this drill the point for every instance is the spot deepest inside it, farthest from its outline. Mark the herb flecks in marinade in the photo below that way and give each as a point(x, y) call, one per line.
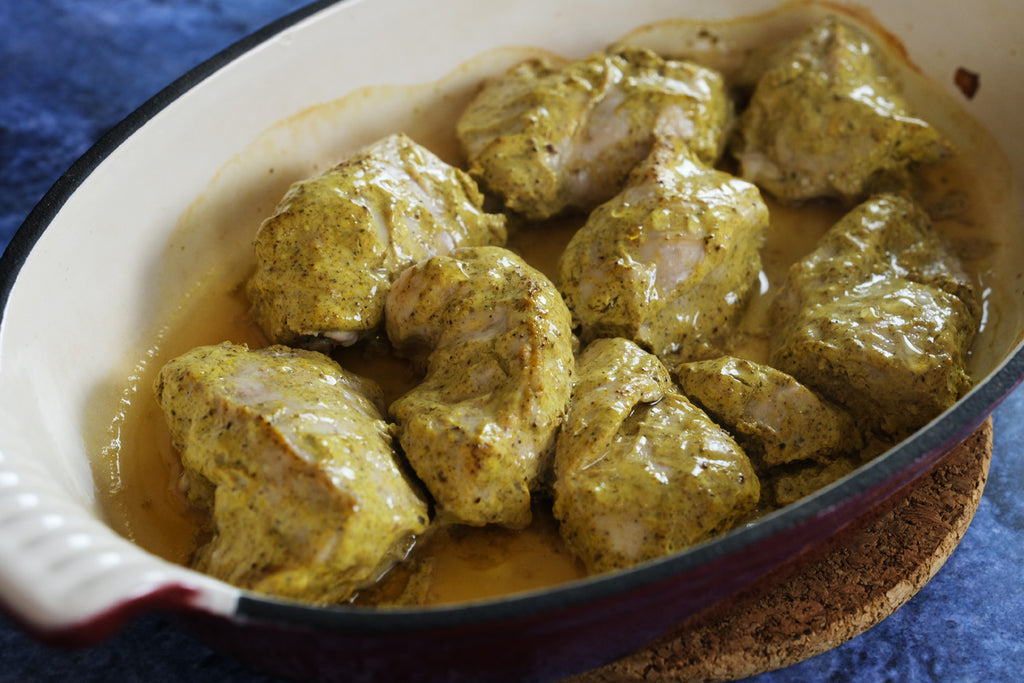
point(880, 318)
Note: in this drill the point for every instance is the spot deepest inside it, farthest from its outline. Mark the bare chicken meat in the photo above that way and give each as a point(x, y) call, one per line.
point(292, 459)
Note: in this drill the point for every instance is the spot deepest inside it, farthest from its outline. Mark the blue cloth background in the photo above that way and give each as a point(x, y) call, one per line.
point(71, 69)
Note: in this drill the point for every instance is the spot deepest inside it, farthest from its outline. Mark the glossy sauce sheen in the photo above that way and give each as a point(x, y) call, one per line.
point(137, 469)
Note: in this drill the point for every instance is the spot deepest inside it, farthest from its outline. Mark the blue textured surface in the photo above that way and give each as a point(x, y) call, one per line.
point(71, 69)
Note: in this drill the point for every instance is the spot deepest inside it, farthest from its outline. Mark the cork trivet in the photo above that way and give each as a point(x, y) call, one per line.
point(824, 599)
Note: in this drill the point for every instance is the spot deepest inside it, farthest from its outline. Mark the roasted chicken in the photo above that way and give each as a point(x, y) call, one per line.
point(827, 119)
point(326, 258)
point(552, 136)
point(640, 471)
point(775, 418)
point(669, 262)
point(496, 342)
point(291, 458)
point(879, 318)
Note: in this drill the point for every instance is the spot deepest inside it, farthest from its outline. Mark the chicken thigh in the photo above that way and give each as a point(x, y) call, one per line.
point(291, 457)
point(797, 440)
point(325, 259)
point(826, 119)
point(776, 419)
point(880, 318)
point(497, 343)
point(550, 137)
point(670, 261)
point(641, 472)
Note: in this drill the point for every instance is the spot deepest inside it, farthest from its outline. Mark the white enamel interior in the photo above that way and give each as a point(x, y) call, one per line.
point(89, 296)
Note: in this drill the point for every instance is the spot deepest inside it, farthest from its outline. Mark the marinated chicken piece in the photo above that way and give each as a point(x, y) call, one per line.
point(497, 343)
point(326, 258)
point(880, 318)
point(670, 261)
point(641, 472)
point(550, 137)
point(785, 485)
point(827, 119)
point(776, 419)
point(291, 457)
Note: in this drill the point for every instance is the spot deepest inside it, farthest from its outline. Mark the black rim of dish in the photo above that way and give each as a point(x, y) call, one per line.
point(943, 432)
